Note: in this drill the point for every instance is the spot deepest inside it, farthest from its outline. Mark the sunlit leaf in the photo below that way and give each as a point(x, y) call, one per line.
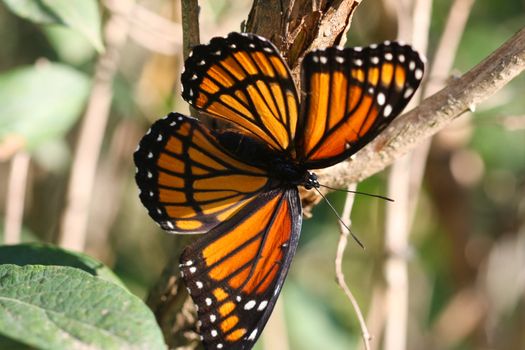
point(71, 46)
point(80, 15)
point(32, 10)
point(56, 307)
point(44, 254)
point(39, 103)
point(311, 327)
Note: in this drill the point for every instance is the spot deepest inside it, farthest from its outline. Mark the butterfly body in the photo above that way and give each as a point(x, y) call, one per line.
point(239, 186)
point(282, 169)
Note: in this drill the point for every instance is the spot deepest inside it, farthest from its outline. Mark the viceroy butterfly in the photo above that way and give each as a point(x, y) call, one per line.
point(240, 185)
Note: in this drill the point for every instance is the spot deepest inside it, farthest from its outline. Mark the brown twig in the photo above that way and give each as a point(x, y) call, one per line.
point(150, 30)
point(16, 191)
point(190, 25)
point(155, 32)
point(395, 268)
point(109, 187)
point(397, 216)
point(190, 30)
point(448, 45)
point(340, 277)
point(375, 318)
point(300, 26)
point(80, 187)
point(439, 70)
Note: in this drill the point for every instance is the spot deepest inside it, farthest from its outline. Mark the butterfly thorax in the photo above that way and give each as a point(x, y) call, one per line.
point(281, 167)
point(288, 172)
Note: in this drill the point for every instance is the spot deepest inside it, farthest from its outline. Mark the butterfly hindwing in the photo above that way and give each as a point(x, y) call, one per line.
point(243, 79)
point(350, 96)
point(188, 182)
point(235, 272)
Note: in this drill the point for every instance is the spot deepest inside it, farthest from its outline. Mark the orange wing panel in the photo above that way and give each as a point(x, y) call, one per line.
point(351, 95)
point(235, 272)
point(243, 79)
point(189, 183)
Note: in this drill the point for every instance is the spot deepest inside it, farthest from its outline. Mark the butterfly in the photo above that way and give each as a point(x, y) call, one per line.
point(239, 185)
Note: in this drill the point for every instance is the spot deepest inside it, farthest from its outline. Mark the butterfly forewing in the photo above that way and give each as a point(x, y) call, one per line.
point(188, 182)
point(235, 272)
point(350, 96)
point(243, 79)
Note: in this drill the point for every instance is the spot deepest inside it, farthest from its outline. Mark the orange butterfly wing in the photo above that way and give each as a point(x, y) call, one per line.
point(240, 186)
point(350, 96)
point(235, 272)
point(187, 180)
point(243, 79)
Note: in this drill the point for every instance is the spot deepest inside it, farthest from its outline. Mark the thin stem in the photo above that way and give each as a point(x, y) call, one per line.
point(395, 267)
point(16, 191)
point(190, 31)
point(448, 45)
point(190, 25)
point(397, 216)
point(341, 246)
point(441, 66)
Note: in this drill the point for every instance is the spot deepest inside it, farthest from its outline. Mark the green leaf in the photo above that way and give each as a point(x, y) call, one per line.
point(40, 103)
point(70, 46)
point(55, 307)
point(7, 343)
point(32, 10)
point(44, 254)
point(312, 328)
point(80, 15)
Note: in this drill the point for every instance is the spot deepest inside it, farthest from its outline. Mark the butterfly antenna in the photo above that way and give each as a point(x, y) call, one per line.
point(340, 219)
point(358, 192)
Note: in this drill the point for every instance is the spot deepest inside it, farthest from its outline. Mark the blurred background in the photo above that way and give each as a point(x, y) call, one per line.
point(466, 253)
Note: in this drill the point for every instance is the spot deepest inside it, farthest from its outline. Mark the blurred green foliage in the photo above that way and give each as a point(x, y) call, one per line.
point(45, 74)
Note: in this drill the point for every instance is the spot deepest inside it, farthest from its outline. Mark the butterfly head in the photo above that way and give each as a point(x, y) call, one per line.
point(310, 181)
